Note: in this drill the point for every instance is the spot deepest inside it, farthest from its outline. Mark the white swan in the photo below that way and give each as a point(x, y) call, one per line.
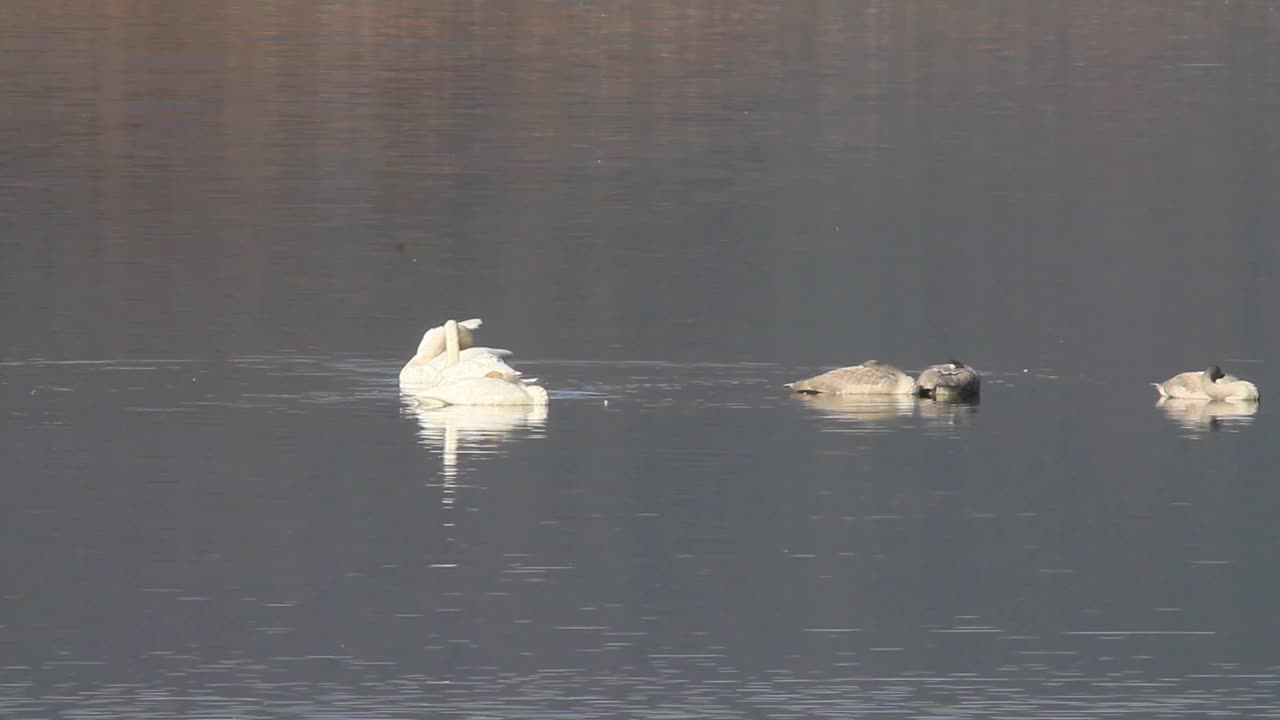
point(432, 364)
point(951, 379)
point(870, 378)
point(483, 379)
point(1230, 388)
point(1208, 384)
point(1188, 385)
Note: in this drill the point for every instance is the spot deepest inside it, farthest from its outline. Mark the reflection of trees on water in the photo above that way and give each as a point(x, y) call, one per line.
point(1208, 414)
point(458, 431)
point(891, 71)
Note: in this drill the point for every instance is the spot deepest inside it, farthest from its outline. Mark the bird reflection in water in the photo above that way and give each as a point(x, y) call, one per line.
point(462, 430)
point(1209, 415)
point(861, 413)
point(952, 413)
point(881, 413)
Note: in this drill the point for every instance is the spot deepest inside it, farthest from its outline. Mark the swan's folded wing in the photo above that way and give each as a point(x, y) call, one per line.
point(496, 352)
point(484, 391)
point(1187, 385)
point(857, 379)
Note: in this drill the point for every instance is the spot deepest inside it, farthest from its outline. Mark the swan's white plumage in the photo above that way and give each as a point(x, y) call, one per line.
point(472, 362)
point(431, 364)
point(449, 370)
point(484, 391)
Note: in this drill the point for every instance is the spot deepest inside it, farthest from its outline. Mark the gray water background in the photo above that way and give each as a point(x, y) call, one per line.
point(226, 226)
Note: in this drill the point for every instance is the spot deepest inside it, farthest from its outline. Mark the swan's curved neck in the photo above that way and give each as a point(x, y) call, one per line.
point(451, 343)
point(431, 344)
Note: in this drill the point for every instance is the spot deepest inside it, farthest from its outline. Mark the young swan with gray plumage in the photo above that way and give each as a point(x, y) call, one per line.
point(870, 378)
point(1230, 387)
point(1189, 385)
point(950, 380)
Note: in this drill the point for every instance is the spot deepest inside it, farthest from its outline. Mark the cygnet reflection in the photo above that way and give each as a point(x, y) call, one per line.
point(1207, 414)
point(864, 412)
point(955, 413)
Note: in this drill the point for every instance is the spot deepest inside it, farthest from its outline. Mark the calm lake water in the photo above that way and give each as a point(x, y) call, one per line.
point(228, 224)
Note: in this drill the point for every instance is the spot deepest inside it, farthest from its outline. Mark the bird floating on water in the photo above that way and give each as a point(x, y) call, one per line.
point(950, 380)
point(448, 369)
point(1208, 384)
point(870, 378)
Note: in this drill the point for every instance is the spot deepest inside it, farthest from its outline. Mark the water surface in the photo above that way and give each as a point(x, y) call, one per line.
point(229, 225)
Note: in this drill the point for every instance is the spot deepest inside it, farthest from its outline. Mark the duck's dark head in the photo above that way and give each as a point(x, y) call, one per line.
point(1214, 373)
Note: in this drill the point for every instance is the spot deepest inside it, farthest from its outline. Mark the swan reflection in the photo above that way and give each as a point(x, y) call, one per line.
point(1207, 414)
point(954, 413)
point(879, 413)
point(867, 412)
point(459, 430)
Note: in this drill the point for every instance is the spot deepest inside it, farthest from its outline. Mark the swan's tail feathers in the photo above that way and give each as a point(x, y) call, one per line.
point(1160, 388)
point(471, 324)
